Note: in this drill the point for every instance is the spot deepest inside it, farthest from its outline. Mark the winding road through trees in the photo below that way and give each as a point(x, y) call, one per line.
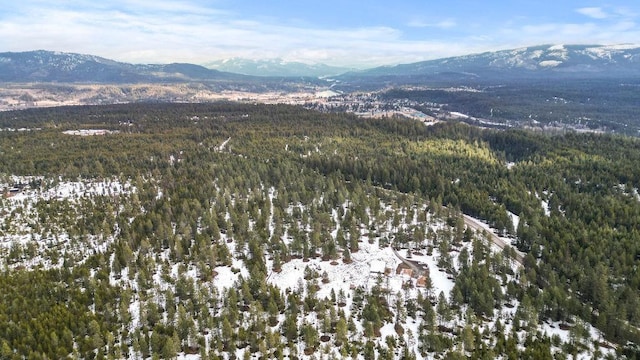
point(495, 239)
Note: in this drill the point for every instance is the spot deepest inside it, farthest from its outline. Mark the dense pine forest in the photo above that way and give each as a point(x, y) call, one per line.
point(224, 231)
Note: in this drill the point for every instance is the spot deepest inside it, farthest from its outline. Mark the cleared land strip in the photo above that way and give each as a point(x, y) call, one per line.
point(499, 242)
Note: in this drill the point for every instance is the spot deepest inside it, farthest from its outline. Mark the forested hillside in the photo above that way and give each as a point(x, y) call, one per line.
point(226, 231)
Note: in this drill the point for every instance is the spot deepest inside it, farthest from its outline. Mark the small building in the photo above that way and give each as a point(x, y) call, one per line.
point(12, 192)
point(406, 272)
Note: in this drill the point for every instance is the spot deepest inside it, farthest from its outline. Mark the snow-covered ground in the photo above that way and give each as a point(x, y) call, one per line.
point(49, 189)
point(30, 207)
point(372, 266)
point(90, 132)
point(515, 219)
point(341, 277)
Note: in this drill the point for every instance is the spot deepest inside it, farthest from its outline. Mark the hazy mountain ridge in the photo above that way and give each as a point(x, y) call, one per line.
point(275, 67)
point(538, 61)
point(70, 67)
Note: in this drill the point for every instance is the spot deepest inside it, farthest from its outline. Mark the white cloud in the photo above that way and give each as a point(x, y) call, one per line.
point(558, 33)
point(443, 24)
point(592, 33)
point(625, 12)
point(593, 12)
point(190, 35)
point(161, 31)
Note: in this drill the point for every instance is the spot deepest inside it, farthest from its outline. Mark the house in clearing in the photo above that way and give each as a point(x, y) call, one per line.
point(12, 192)
point(406, 272)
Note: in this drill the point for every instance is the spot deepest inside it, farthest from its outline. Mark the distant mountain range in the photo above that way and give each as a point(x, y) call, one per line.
point(557, 61)
point(275, 67)
point(48, 66)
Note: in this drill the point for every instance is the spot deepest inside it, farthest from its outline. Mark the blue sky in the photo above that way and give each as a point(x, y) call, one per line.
point(336, 32)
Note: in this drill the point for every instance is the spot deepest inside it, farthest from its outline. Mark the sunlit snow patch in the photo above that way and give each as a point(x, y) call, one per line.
point(90, 132)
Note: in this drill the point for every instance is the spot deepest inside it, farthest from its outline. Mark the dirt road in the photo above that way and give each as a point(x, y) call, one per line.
point(495, 239)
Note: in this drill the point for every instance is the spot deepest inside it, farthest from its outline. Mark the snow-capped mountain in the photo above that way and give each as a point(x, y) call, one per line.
point(69, 67)
point(544, 60)
point(557, 61)
point(274, 67)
